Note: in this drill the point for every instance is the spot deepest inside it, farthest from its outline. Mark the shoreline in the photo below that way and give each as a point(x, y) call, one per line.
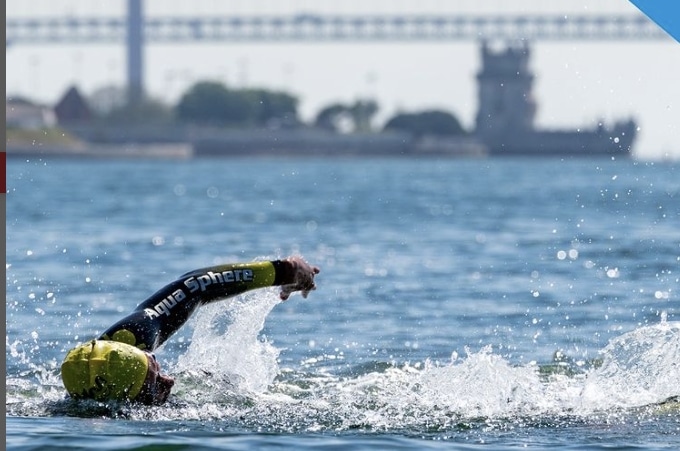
point(101, 151)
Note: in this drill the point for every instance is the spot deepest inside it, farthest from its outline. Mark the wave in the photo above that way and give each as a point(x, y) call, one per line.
point(230, 373)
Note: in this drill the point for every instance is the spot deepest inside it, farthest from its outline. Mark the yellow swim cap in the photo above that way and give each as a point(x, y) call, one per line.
point(104, 370)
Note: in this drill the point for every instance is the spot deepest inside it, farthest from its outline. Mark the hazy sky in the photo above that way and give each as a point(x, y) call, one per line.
point(577, 83)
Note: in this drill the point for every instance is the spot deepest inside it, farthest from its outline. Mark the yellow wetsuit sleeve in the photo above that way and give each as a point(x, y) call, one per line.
point(253, 275)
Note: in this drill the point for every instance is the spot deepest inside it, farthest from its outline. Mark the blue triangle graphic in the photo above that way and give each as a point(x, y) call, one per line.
point(665, 13)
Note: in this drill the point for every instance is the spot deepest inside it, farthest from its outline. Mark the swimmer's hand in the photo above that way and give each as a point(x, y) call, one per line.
point(299, 276)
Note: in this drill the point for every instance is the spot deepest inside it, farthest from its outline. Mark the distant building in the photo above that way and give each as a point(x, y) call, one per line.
point(72, 108)
point(24, 114)
point(505, 98)
point(505, 118)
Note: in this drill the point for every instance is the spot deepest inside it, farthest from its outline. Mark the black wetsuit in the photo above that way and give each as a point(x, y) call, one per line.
point(162, 314)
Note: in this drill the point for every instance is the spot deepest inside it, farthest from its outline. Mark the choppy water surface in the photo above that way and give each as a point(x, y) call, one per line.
point(513, 303)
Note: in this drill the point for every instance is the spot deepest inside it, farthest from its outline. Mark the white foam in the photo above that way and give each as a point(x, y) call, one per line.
point(238, 354)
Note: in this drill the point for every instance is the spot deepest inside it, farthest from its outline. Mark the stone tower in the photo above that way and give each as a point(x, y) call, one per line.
point(505, 101)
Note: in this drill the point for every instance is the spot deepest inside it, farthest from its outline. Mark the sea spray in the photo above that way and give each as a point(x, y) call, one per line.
point(229, 372)
point(234, 373)
point(640, 367)
point(232, 377)
point(227, 347)
point(483, 385)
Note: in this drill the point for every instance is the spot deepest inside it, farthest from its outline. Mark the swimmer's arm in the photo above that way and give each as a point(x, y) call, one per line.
point(230, 279)
point(163, 313)
point(217, 282)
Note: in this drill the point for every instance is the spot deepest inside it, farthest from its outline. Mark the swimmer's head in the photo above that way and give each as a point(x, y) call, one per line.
point(109, 370)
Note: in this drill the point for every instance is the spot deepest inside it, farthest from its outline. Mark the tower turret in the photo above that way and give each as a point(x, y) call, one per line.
point(505, 99)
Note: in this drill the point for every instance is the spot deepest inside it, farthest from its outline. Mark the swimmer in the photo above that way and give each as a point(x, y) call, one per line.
point(120, 364)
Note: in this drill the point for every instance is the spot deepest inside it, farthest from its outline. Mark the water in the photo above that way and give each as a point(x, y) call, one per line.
point(507, 303)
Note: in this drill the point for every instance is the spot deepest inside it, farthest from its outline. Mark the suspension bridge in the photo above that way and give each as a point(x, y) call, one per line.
point(137, 31)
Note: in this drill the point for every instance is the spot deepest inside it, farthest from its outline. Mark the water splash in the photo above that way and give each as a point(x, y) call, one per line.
point(230, 374)
point(227, 344)
point(639, 368)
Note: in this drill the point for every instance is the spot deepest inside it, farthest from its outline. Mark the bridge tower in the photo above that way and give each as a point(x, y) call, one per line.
point(135, 48)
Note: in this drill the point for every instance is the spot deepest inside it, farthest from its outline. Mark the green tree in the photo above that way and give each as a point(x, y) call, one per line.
point(331, 117)
point(431, 122)
point(340, 117)
point(145, 111)
point(272, 105)
point(211, 103)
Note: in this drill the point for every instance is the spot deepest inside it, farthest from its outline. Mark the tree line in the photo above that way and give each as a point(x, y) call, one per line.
point(210, 103)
